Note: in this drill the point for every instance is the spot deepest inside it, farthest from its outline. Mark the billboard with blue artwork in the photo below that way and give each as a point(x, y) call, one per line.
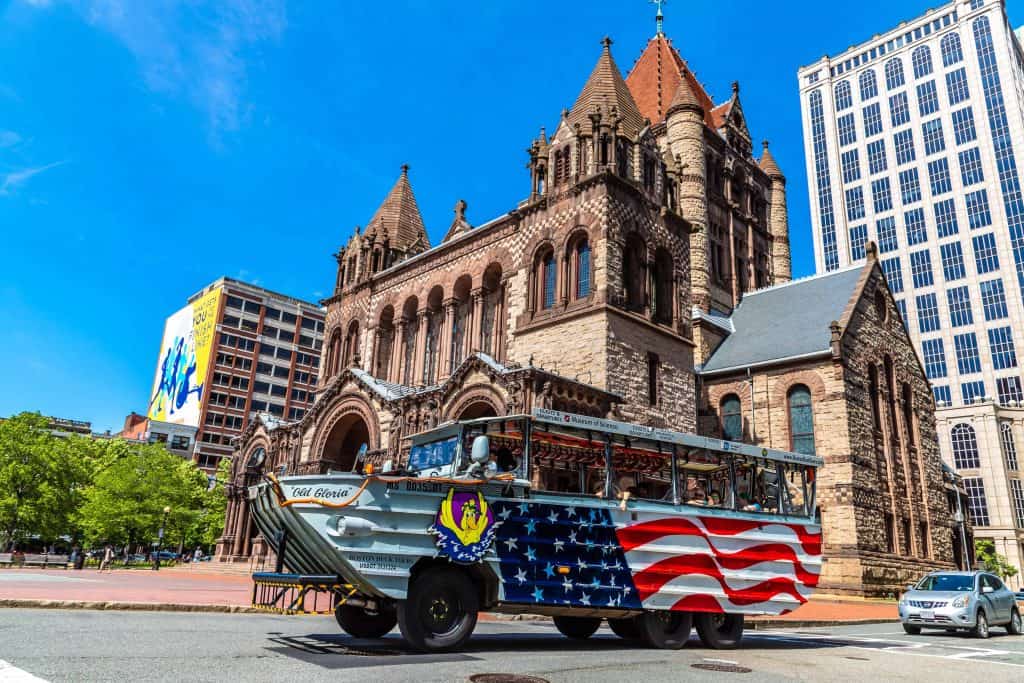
point(181, 372)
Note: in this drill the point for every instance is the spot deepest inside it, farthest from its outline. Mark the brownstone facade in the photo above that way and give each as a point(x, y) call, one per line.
point(602, 293)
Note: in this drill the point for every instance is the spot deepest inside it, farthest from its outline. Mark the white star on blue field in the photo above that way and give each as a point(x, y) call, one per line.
point(559, 555)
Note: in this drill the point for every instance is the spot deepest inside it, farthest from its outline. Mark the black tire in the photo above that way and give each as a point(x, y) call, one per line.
point(627, 628)
point(719, 631)
point(440, 612)
point(359, 623)
point(980, 629)
point(579, 628)
point(664, 629)
point(912, 630)
point(1014, 627)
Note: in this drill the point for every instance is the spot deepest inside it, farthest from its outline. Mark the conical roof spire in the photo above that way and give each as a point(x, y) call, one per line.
point(684, 98)
point(399, 217)
point(768, 164)
point(606, 87)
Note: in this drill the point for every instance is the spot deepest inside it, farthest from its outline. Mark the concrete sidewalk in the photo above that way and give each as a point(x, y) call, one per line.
point(198, 590)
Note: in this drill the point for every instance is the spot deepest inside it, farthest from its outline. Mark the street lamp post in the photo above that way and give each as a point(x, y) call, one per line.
point(160, 538)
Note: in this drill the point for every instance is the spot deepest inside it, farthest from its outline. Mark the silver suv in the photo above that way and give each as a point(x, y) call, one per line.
point(960, 600)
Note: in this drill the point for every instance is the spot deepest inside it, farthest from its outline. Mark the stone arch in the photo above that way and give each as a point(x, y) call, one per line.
point(578, 263)
point(481, 400)
point(780, 397)
point(351, 419)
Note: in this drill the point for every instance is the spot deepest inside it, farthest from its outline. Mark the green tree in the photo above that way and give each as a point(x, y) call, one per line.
point(986, 555)
point(42, 478)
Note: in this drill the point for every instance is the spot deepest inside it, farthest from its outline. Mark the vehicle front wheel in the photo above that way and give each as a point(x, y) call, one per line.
point(980, 629)
point(1015, 627)
point(912, 630)
point(579, 628)
point(440, 612)
point(627, 628)
point(359, 623)
point(665, 629)
point(719, 631)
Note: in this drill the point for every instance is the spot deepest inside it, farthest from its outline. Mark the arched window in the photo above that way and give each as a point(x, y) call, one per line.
point(844, 98)
point(894, 73)
point(385, 343)
point(351, 349)
point(801, 420)
point(732, 418)
point(951, 52)
point(921, 58)
point(545, 279)
point(581, 268)
point(634, 271)
point(965, 447)
point(908, 413)
point(868, 85)
point(876, 416)
point(550, 280)
point(890, 390)
point(664, 274)
point(1009, 447)
point(334, 353)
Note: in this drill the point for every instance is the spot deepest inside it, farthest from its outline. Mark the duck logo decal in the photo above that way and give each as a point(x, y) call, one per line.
point(464, 527)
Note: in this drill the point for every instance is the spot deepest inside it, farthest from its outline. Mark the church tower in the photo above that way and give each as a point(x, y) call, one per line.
point(778, 219)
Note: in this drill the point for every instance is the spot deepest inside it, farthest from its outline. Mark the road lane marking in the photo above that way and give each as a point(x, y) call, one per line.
point(12, 674)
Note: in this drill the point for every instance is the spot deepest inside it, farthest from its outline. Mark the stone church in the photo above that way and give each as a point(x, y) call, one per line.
point(644, 276)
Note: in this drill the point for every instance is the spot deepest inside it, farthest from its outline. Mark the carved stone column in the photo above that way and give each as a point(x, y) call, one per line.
point(445, 356)
point(419, 353)
point(477, 297)
point(398, 352)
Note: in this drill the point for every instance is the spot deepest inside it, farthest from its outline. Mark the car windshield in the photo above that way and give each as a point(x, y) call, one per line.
point(946, 582)
point(437, 454)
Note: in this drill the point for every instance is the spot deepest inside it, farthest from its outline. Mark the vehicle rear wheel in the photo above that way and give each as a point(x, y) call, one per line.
point(980, 629)
point(627, 628)
point(1015, 627)
point(665, 629)
point(912, 630)
point(440, 612)
point(719, 631)
point(580, 628)
point(359, 623)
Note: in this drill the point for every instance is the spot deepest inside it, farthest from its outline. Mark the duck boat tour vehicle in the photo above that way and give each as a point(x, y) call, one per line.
point(558, 514)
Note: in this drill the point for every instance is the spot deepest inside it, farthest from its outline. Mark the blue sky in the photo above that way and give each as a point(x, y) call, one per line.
point(147, 148)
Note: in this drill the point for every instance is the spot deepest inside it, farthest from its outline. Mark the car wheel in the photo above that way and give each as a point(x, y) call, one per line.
point(627, 629)
point(359, 623)
point(579, 628)
point(980, 629)
point(440, 612)
point(912, 630)
point(719, 631)
point(665, 629)
point(1014, 628)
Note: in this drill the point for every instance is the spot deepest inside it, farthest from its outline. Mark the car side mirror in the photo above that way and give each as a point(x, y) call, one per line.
point(987, 589)
point(910, 586)
point(481, 452)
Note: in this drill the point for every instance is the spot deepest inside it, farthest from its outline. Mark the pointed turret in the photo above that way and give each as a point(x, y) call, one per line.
point(399, 217)
point(684, 99)
point(606, 90)
point(654, 80)
point(768, 164)
point(778, 219)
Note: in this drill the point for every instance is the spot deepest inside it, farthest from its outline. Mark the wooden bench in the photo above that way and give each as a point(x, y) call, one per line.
point(45, 560)
point(6, 559)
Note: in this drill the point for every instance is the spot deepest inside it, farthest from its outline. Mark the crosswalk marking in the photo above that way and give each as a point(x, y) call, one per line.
point(12, 674)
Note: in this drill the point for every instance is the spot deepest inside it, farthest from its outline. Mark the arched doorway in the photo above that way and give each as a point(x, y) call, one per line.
point(477, 409)
point(342, 445)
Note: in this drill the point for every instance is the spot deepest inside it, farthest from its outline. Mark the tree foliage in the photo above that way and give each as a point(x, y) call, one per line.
point(986, 555)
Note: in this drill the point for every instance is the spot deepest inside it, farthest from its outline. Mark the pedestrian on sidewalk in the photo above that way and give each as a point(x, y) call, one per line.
point(108, 557)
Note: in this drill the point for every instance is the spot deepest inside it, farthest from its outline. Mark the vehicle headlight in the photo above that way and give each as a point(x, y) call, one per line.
point(962, 600)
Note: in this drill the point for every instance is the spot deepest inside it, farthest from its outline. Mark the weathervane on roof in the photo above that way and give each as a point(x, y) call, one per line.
point(659, 17)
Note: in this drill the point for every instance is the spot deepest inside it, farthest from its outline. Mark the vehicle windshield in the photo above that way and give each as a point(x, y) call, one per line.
point(436, 454)
point(946, 582)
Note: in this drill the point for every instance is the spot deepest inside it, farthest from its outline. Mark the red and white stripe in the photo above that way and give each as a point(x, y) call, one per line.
point(715, 564)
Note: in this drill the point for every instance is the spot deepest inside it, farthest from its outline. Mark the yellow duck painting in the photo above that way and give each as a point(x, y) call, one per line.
point(474, 518)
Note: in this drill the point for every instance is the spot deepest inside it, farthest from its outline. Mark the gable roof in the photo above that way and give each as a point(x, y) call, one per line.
point(398, 217)
point(786, 321)
point(654, 80)
point(606, 88)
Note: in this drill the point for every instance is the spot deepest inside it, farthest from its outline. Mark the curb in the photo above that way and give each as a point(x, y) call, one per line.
point(127, 606)
point(766, 624)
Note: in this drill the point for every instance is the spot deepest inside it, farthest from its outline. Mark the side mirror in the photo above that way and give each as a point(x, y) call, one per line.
point(910, 587)
point(988, 589)
point(481, 452)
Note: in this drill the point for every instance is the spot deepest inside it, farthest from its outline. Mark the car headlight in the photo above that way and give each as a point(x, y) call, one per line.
point(962, 600)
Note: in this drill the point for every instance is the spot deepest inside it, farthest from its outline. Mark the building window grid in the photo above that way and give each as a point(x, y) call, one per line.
point(963, 126)
point(952, 255)
point(945, 218)
point(993, 299)
point(1009, 447)
point(976, 503)
point(881, 195)
point(938, 176)
point(894, 73)
point(1013, 202)
point(934, 142)
point(902, 305)
point(965, 447)
point(951, 51)
point(927, 313)
point(854, 203)
point(972, 390)
point(877, 161)
point(826, 214)
point(968, 361)
point(959, 301)
point(921, 268)
point(942, 395)
point(956, 86)
point(858, 241)
point(986, 258)
point(910, 186)
point(978, 213)
point(927, 98)
point(885, 228)
point(1017, 491)
point(914, 222)
point(1000, 343)
point(868, 85)
point(872, 119)
point(893, 272)
point(844, 96)
point(903, 142)
point(921, 59)
point(847, 130)
point(1009, 389)
point(971, 171)
point(934, 353)
point(851, 166)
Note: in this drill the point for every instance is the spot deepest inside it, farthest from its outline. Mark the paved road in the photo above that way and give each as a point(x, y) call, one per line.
point(84, 645)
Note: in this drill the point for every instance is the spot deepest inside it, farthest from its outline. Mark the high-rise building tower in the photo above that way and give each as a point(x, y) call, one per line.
point(235, 351)
point(914, 140)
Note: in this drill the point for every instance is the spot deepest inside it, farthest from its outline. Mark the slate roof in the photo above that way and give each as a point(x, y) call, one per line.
point(606, 88)
point(785, 321)
point(399, 217)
